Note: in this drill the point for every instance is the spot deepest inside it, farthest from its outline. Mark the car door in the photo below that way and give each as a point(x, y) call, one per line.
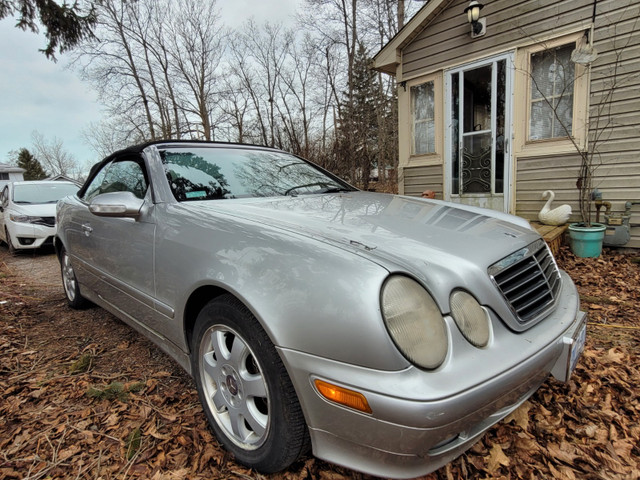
point(116, 254)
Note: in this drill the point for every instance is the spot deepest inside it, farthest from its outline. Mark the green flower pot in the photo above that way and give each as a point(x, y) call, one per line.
point(586, 241)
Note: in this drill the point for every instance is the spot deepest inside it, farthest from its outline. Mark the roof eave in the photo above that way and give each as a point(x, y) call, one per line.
point(386, 64)
point(390, 56)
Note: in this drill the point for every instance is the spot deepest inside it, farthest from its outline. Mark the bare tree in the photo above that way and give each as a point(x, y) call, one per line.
point(155, 65)
point(169, 69)
point(299, 107)
point(261, 52)
point(234, 106)
point(53, 156)
point(196, 50)
point(341, 28)
point(110, 61)
point(106, 137)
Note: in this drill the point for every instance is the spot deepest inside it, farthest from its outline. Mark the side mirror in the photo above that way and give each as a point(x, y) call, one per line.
point(116, 204)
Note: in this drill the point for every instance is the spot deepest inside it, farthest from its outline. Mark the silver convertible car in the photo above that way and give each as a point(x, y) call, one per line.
point(385, 333)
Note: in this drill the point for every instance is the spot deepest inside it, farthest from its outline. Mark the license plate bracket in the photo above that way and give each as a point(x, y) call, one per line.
point(573, 346)
point(577, 347)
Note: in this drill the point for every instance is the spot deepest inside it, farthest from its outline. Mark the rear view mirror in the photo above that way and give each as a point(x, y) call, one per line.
point(116, 204)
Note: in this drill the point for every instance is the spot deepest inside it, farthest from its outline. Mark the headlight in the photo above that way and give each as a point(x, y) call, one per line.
point(20, 218)
point(414, 322)
point(472, 319)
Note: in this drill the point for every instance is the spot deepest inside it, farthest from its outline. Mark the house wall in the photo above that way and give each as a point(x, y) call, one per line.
point(615, 106)
point(446, 41)
point(534, 175)
point(418, 179)
point(613, 81)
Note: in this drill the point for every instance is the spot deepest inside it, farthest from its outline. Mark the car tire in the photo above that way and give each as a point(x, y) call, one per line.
point(70, 283)
point(244, 388)
point(10, 246)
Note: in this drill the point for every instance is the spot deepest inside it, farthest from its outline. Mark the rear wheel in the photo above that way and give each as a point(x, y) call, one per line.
point(244, 388)
point(70, 283)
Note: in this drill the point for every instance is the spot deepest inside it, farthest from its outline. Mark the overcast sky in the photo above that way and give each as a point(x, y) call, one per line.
point(37, 94)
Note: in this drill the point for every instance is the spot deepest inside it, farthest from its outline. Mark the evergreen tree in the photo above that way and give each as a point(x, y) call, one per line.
point(358, 129)
point(65, 26)
point(33, 169)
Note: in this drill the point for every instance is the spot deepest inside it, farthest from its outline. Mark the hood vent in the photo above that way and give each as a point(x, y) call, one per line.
point(529, 280)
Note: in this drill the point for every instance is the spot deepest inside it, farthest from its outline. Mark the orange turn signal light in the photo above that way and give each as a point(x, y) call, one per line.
point(343, 396)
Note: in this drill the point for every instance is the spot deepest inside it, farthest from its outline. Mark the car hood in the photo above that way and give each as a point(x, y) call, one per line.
point(444, 245)
point(35, 210)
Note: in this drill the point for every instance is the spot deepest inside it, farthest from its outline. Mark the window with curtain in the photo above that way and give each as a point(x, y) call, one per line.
point(423, 112)
point(552, 92)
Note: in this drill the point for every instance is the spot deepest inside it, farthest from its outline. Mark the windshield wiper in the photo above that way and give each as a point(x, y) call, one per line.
point(334, 190)
point(292, 190)
point(324, 188)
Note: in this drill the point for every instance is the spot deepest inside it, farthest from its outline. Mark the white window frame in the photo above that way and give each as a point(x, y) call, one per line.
point(422, 121)
point(406, 126)
point(522, 113)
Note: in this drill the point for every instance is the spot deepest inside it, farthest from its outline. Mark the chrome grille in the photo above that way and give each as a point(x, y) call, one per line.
point(529, 280)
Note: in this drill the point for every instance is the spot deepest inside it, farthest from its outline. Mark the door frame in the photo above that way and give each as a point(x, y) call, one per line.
point(508, 134)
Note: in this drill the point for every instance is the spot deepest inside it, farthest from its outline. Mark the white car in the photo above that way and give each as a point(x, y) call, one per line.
point(28, 212)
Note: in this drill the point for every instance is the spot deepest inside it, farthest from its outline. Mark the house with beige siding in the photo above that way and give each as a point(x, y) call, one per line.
point(494, 119)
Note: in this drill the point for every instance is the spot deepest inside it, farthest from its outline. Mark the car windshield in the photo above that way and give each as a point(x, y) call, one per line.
point(38, 193)
point(222, 173)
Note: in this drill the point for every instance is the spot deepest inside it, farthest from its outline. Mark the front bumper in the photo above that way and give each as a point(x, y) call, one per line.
point(29, 235)
point(417, 425)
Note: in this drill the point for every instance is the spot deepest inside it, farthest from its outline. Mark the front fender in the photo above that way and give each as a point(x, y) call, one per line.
point(309, 296)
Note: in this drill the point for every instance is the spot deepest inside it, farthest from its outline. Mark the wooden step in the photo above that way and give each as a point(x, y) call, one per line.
point(552, 234)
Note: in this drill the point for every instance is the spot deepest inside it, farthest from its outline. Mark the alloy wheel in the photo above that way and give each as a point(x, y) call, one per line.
point(68, 277)
point(235, 387)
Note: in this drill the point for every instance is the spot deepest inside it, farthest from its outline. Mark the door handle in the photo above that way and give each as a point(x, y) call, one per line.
point(87, 229)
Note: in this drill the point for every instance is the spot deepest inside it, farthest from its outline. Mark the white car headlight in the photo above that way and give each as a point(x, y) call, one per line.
point(414, 322)
point(472, 319)
point(20, 218)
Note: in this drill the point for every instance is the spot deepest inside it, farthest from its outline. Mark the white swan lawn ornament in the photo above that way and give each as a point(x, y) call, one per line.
point(558, 216)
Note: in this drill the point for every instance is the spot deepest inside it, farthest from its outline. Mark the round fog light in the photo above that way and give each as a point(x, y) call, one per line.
point(472, 319)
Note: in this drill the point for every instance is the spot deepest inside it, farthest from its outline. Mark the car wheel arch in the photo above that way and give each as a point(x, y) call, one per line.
point(58, 246)
point(10, 245)
point(196, 302)
point(199, 298)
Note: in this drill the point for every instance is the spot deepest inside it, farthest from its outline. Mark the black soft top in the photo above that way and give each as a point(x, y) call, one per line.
point(137, 150)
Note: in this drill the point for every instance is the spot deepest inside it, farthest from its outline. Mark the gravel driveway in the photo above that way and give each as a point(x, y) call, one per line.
point(42, 266)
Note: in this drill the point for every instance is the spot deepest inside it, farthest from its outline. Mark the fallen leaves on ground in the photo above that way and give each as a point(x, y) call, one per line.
point(82, 396)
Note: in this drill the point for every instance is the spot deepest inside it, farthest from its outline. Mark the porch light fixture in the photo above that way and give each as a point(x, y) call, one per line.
point(478, 25)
